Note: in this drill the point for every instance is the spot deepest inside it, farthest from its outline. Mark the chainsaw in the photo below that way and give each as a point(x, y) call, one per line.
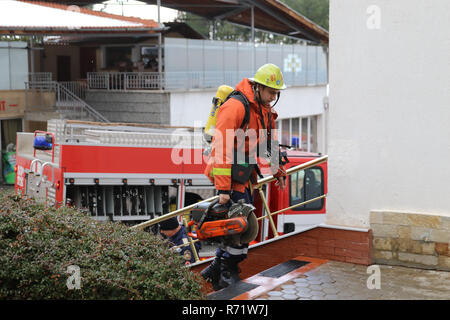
point(233, 224)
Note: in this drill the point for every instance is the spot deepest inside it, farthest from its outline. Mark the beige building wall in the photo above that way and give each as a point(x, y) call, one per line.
point(388, 119)
point(12, 104)
point(46, 60)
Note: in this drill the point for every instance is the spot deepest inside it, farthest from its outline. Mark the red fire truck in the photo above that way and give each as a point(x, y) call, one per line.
point(134, 173)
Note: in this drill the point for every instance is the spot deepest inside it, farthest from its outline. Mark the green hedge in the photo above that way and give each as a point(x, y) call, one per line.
point(37, 245)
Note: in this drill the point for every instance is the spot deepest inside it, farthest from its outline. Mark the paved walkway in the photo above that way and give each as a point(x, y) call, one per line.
point(345, 281)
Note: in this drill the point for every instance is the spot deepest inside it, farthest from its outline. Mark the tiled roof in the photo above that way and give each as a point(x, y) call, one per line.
point(38, 15)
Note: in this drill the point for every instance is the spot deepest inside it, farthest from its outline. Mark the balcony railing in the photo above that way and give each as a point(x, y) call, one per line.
point(39, 76)
point(183, 80)
point(125, 80)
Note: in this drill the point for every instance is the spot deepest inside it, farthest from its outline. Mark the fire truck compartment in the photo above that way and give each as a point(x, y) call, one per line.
point(120, 202)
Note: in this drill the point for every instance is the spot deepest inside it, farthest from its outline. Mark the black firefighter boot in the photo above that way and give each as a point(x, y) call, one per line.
point(229, 272)
point(212, 273)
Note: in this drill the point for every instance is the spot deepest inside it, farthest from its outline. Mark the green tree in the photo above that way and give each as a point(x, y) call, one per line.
point(223, 30)
point(314, 10)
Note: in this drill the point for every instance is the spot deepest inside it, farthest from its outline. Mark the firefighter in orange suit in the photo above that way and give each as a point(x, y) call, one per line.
point(260, 91)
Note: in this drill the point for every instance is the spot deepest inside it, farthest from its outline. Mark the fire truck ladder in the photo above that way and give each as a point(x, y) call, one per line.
point(259, 186)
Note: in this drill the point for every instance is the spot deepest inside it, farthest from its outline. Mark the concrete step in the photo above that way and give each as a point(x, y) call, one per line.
point(75, 115)
point(41, 115)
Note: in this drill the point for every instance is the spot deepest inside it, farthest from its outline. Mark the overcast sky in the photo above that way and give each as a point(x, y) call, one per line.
point(133, 8)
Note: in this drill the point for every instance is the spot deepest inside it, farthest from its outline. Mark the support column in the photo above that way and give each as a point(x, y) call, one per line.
point(159, 41)
point(253, 39)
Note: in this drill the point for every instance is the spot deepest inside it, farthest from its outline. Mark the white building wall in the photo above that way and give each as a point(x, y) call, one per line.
point(190, 108)
point(388, 122)
point(186, 107)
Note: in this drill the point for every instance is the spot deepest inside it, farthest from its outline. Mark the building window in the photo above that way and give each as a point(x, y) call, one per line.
point(150, 58)
point(304, 144)
point(300, 133)
point(118, 58)
point(313, 133)
point(285, 132)
point(306, 185)
point(295, 136)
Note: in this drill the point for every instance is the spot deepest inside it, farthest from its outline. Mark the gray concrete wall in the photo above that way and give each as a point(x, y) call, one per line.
point(136, 106)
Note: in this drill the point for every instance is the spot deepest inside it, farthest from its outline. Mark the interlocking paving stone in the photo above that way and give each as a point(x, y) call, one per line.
point(315, 287)
point(330, 290)
point(317, 293)
point(303, 290)
point(301, 280)
point(328, 285)
point(289, 291)
point(302, 284)
point(304, 294)
point(344, 281)
point(288, 286)
point(345, 294)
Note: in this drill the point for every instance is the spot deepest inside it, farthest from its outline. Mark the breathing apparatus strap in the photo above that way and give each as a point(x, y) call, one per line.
point(269, 131)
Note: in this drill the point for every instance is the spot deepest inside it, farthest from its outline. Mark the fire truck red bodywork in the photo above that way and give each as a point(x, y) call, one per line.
point(110, 170)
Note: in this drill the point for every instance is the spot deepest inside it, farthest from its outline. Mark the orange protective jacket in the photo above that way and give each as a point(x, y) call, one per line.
point(229, 118)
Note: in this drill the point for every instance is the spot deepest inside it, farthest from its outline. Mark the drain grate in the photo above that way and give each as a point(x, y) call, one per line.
point(283, 268)
point(230, 292)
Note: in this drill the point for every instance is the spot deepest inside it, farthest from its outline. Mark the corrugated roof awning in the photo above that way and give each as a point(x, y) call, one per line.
point(33, 17)
point(269, 15)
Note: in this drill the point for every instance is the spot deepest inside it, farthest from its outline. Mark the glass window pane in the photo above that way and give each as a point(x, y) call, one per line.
point(296, 187)
point(285, 127)
point(275, 54)
point(230, 63)
point(176, 53)
point(312, 65)
point(213, 63)
point(149, 56)
point(118, 57)
point(306, 185)
point(295, 141)
point(300, 56)
point(313, 188)
point(321, 66)
point(195, 55)
point(261, 54)
point(245, 59)
point(304, 144)
point(313, 134)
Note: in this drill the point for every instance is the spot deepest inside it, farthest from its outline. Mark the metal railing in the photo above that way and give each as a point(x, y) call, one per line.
point(78, 88)
point(39, 76)
point(258, 186)
point(125, 80)
point(66, 102)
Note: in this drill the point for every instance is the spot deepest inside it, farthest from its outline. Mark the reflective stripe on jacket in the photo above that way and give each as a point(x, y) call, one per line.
point(230, 117)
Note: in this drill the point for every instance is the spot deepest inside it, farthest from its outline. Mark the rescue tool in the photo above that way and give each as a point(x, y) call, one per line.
point(227, 224)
